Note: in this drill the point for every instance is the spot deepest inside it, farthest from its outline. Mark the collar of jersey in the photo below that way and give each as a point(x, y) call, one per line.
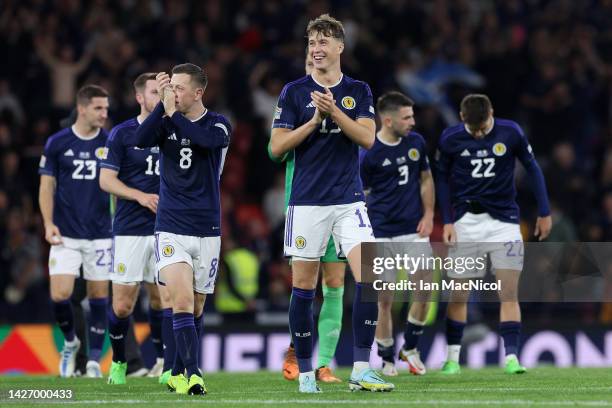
point(83, 137)
point(201, 116)
point(486, 134)
point(387, 143)
point(330, 86)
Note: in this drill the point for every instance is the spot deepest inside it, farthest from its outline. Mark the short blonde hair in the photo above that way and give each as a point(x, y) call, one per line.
point(326, 25)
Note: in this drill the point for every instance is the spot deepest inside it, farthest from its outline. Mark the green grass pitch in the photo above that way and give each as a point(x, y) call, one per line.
point(546, 386)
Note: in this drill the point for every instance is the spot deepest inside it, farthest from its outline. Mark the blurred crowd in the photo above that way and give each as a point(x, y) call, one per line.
point(545, 63)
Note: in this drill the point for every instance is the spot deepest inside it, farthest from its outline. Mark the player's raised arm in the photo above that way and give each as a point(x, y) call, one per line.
point(217, 136)
point(149, 131)
point(537, 183)
point(285, 140)
point(285, 136)
point(361, 131)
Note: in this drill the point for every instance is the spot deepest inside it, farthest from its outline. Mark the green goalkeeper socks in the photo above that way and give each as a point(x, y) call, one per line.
point(330, 324)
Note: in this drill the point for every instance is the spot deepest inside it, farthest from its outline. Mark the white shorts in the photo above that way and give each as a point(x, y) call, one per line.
point(94, 254)
point(133, 259)
point(308, 227)
point(480, 235)
point(401, 244)
point(201, 253)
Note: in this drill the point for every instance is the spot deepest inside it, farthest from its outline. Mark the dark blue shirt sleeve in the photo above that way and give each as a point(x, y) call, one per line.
point(364, 170)
point(525, 155)
point(115, 151)
point(217, 136)
point(423, 161)
point(149, 133)
point(365, 104)
point(285, 113)
point(443, 194)
point(48, 161)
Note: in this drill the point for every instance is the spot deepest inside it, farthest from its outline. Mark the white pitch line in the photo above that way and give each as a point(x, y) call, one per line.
point(251, 402)
point(432, 390)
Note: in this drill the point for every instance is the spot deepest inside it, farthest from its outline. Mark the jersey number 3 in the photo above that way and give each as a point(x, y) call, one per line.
point(403, 171)
point(478, 166)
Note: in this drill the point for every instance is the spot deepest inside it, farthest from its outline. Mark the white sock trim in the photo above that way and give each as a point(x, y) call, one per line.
point(415, 321)
point(388, 342)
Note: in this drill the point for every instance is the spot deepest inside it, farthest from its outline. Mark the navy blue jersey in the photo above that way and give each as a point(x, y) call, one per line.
point(393, 175)
point(327, 162)
point(190, 164)
point(137, 168)
point(482, 171)
point(80, 207)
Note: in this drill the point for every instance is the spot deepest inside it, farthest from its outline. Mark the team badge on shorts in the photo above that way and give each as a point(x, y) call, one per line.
point(52, 262)
point(168, 251)
point(499, 149)
point(121, 268)
point(348, 102)
point(101, 153)
point(300, 242)
point(414, 154)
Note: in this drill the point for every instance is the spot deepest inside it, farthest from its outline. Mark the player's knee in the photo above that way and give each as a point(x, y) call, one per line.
point(60, 295)
point(385, 305)
point(155, 303)
point(333, 281)
point(183, 305)
point(508, 294)
point(122, 309)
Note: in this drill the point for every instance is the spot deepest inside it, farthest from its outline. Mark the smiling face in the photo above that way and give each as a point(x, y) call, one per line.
point(324, 50)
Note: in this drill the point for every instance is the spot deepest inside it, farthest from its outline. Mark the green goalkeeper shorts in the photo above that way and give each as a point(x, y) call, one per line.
point(330, 252)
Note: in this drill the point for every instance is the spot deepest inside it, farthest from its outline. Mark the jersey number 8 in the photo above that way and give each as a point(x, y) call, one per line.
point(185, 161)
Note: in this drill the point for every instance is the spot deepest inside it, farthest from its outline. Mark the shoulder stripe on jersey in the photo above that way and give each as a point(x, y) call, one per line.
point(62, 133)
point(222, 127)
point(511, 124)
point(110, 166)
point(223, 154)
point(128, 123)
point(290, 84)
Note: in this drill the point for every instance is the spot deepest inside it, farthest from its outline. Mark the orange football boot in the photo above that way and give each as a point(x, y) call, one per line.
point(290, 365)
point(325, 374)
